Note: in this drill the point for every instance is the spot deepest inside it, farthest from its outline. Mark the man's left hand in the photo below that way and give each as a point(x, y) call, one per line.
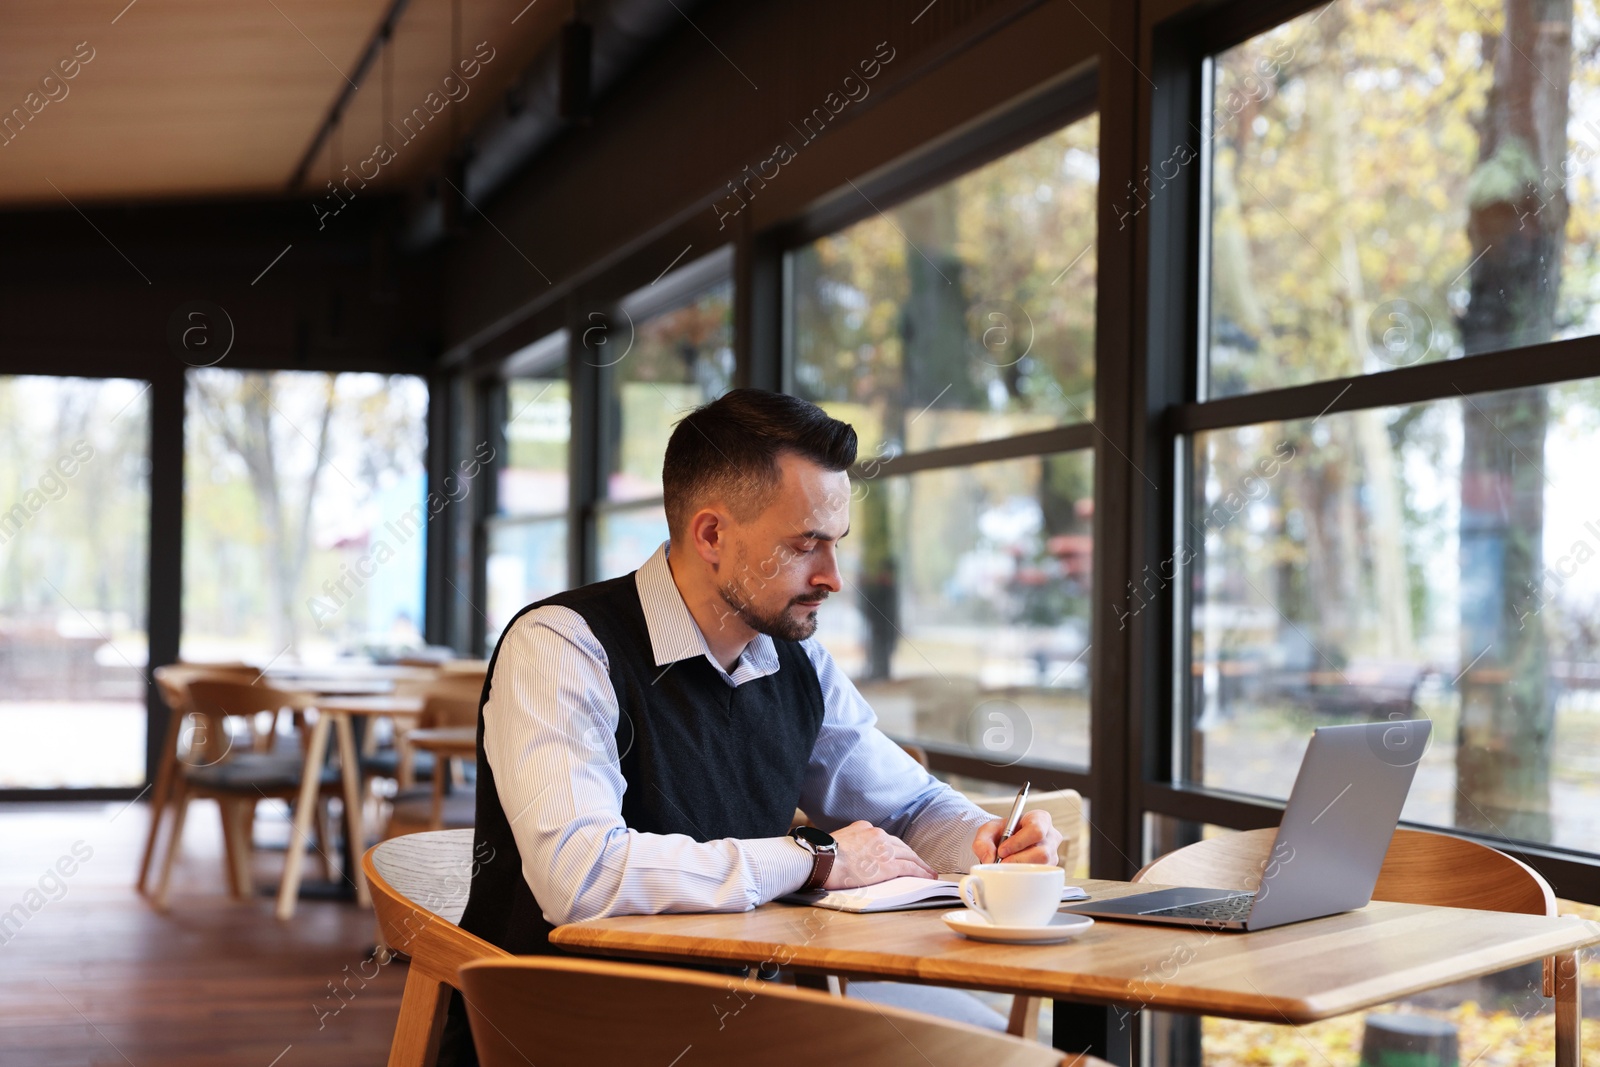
point(1035, 841)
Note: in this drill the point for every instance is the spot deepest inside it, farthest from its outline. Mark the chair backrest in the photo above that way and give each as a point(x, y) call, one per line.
point(215, 696)
point(419, 886)
point(172, 679)
point(1066, 813)
point(1419, 868)
point(568, 1012)
point(451, 700)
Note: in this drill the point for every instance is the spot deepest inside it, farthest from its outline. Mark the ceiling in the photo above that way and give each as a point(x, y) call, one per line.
point(183, 99)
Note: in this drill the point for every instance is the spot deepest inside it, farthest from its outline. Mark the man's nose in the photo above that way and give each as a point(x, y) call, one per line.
point(827, 575)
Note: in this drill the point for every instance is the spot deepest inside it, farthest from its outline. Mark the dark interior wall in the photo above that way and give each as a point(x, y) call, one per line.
point(650, 175)
point(96, 292)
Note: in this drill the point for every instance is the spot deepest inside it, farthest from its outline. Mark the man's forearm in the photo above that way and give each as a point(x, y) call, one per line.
point(623, 872)
point(942, 831)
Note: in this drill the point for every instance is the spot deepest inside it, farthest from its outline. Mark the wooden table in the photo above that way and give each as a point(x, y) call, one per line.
point(1291, 974)
point(348, 679)
point(333, 713)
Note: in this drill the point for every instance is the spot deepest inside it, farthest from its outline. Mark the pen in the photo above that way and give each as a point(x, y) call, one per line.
point(1016, 812)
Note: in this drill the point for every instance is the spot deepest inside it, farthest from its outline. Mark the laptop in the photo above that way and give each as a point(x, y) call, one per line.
point(1330, 846)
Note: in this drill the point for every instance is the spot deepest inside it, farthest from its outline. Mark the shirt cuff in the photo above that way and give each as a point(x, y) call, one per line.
point(781, 866)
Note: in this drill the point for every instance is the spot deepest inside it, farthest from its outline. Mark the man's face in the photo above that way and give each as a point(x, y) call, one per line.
point(784, 561)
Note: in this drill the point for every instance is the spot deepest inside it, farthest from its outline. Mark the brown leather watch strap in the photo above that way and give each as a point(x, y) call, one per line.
point(821, 867)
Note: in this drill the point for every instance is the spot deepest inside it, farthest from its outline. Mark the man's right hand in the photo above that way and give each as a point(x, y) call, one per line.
point(867, 855)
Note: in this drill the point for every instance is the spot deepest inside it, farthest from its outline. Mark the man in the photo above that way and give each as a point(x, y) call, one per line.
point(645, 740)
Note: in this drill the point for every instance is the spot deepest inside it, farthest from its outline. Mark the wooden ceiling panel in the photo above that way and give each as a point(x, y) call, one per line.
point(508, 33)
point(202, 98)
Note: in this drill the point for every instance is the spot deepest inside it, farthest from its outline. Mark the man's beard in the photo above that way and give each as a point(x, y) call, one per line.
point(779, 624)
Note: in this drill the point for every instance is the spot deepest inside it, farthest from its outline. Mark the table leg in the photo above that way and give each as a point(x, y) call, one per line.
point(310, 785)
point(355, 833)
point(1098, 1030)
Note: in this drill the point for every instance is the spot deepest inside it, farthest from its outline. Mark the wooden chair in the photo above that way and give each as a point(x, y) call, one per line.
point(1420, 868)
point(172, 682)
point(419, 889)
point(416, 810)
point(216, 766)
point(403, 763)
point(568, 1012)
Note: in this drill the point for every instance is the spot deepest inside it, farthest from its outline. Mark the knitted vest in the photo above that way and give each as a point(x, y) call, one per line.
point(700, 757)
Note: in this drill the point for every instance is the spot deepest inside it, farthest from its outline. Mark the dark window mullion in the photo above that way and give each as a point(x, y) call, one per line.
point(1548, 364)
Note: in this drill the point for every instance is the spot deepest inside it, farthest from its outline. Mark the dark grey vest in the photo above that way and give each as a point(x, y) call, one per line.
point(700, 757)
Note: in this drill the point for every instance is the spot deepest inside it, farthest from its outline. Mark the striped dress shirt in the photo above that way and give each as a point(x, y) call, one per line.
point(550, 736)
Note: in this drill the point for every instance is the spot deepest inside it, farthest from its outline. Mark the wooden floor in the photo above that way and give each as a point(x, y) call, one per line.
point(95, 976)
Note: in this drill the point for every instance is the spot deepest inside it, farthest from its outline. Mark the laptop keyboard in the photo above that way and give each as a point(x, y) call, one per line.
point(1226, 909)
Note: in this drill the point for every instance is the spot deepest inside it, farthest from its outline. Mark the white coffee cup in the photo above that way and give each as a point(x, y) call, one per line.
point(1014, 894)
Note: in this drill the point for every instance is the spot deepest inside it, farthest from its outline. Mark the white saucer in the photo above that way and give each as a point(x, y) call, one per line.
point(1059, 928)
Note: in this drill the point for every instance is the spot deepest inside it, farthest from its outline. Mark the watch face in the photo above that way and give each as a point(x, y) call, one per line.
point(810, 835)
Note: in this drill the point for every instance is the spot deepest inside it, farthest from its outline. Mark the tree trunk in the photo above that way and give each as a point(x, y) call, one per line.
point(1516, 222)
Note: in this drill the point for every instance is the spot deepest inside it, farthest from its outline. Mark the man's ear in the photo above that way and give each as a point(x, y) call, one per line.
point(708, 533)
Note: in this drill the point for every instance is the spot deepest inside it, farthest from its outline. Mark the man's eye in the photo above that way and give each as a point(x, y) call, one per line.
point(806, 548)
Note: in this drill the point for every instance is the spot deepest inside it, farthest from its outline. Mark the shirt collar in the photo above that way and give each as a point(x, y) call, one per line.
point(674, 635)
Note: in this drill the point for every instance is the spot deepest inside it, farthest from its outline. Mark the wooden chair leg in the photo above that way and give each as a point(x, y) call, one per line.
point(421, 1023)
point(1569, 1009)
point(1024, 1020)
point(406, 769)
point(159, 794)
point(324, 822)
point(244, 815)
point(350, 776)
point(436, 811)
point(228, 811)
point(180, 811)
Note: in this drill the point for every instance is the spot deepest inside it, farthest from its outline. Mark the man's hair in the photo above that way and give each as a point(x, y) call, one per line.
point(729, 449)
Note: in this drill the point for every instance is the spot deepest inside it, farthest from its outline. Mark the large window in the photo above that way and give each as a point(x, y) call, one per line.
point(74, 551)
point(1392, 185)
point(306, 513)
point(966, 314)
point(528, 538)
point(667, 350)
point(963, 314)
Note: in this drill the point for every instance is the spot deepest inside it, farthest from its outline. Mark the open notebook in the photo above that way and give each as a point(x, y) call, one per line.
point(898, 894)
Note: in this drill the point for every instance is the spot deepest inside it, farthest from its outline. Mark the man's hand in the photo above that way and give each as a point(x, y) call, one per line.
point(1035, 841)
point(867, 855)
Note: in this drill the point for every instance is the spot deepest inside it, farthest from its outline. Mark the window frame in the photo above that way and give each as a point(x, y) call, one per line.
point(1068, 99)
point(1172, 415)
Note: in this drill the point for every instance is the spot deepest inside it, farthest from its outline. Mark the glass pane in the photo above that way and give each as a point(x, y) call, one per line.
point(74, 551)
point(306, 512)
point(964, 617)
point(964, 314)
point(533, 476)
point(680, 359)
point(527, 562)
point(1430, 560)
point(1398, 183)
point(628, 537)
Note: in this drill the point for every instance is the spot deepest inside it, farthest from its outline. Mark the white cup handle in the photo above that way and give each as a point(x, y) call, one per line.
point(971, 891)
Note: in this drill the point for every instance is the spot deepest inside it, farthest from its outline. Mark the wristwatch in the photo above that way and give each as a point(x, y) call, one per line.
point(822, 848)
